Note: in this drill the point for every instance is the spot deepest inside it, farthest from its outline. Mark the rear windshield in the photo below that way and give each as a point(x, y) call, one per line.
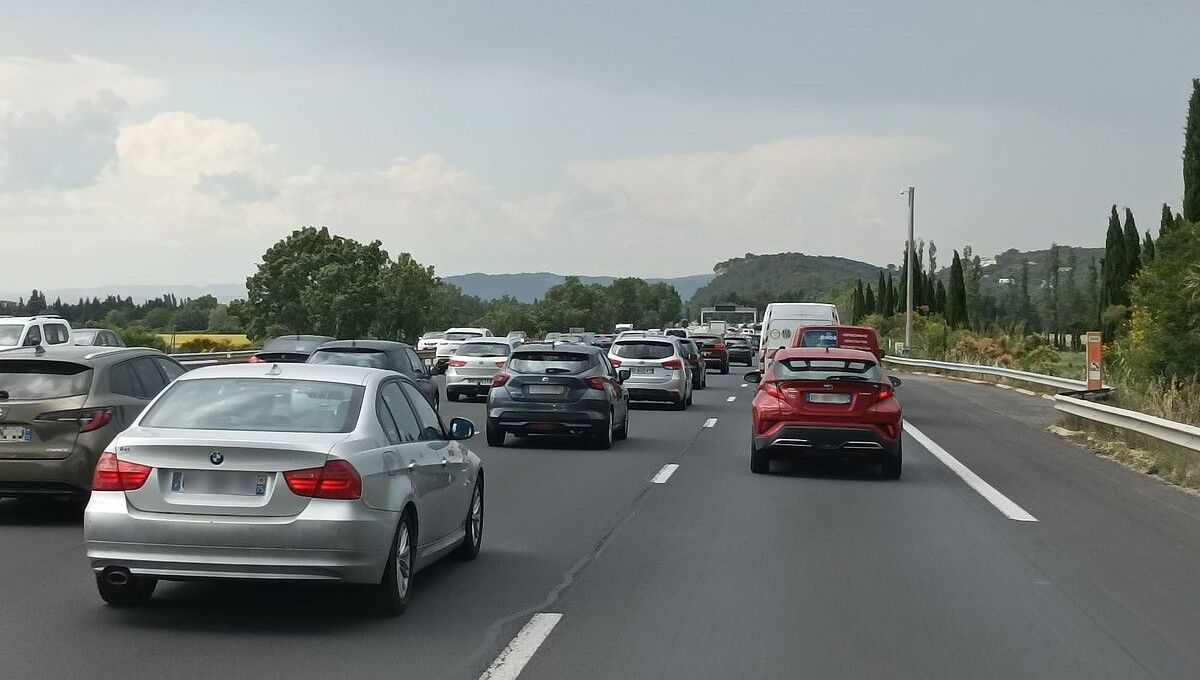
point(294, 345)
point(257, 404)
point(706, 340)
point(432, 334)
point(484, 349)
point(82, 337)
point(740, 342)
point(367, 358)
point(827, 369)
point(43, 379)
point(10, 333)
point(819, 338)
point(461, 336)
point(634, 349)
point(550, 362)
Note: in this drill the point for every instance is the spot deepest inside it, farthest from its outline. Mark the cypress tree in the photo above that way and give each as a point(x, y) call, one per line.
point(1025, 305)
point(1113, 263)
point(881, 303)
point(940, 295)
point(1133, 249)
point(1191, 157)
point(869, 300)
point(858, 304)
point(956, 297)
point(1166, 222)
point(1147, 249)
point(891, 296)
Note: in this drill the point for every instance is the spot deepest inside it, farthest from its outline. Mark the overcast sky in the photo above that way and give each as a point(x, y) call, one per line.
point(147, 143)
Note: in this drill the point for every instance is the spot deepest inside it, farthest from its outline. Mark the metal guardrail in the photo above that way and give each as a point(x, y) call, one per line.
point(1181, 434)
point(1010, 373)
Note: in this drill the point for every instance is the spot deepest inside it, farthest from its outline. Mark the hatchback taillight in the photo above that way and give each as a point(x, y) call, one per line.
point(89, 419)
point(884, 392)
point(596, 382)
point(255, 359)
point(500, 364)
point(336, 480)
point(456, 363)
point(673, 365)
point(500, 380)
point(118, 475)
point(615, 362)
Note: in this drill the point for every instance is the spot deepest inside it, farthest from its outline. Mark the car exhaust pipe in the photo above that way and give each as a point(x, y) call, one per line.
point(117, 576)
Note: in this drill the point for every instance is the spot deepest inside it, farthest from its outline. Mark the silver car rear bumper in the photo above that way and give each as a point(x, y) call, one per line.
point(328, 541)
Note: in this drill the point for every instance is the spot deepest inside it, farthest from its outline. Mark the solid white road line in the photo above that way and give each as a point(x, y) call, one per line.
point(745, 385)
point(1003, 386)
point(1022, 390)
point(710, 422)
point(512, 659)
point(665, 473)
point(989, 492)
point(730, 398)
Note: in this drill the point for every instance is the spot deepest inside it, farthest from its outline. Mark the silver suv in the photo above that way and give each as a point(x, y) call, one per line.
point(34, 331)
point(658, 370)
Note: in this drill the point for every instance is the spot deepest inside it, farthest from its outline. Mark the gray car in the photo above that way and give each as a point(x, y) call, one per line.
point(561, 389)
point(284, 471)
point(393, 356)
point(96, 337)
point(657, 367)
point(60, 407)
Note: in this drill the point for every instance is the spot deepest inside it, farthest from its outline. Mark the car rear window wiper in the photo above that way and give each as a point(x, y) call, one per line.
point(556, 371)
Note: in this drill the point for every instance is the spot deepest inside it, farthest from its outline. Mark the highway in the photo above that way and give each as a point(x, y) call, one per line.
point(1061, 565)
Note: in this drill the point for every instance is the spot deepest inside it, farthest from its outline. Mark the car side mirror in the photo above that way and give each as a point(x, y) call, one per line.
point(895, 380)
point(461, 428)
point(753, 377)
point(623, 374)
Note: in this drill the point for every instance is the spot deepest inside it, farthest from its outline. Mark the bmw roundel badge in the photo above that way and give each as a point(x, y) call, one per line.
point(216, 458)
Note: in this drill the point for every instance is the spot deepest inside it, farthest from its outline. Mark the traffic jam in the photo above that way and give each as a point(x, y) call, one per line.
point(330, 460)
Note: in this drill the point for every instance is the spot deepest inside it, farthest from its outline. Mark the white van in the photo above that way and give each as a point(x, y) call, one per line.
point(781, 320)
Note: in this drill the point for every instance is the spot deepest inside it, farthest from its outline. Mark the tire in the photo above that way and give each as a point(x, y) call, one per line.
point(452, 396)
point(604, 440)
point(473, 525)
point(132, 594)
point(680, 405)
point(725, 368)
point(760, 462)
point(689, 399)
point(622, 432)
point(892, 466)
point(495, 436)
point(696, 384)
point(396, 584)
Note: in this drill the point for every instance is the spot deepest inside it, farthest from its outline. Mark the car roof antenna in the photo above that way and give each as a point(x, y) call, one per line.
point(274, 370)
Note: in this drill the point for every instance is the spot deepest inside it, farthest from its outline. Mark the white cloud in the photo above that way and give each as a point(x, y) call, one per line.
point(56, 86)
point(183, 145)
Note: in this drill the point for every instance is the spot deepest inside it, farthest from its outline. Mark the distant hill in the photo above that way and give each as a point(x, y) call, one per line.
point(1005, 269)
point(140, 293)
point(758, 279)
point(528, 287)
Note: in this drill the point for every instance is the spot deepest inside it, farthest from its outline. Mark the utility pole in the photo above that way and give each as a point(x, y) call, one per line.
point(908, 287)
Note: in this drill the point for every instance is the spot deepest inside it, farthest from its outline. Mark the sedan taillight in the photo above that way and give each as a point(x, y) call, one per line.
point(456, 363)
point(336, 480)
point(112, 474)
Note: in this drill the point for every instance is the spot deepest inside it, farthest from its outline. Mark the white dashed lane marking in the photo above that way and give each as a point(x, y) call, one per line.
point(730, 398)
point(665, 473)
point(710, 422)
point(511, 661)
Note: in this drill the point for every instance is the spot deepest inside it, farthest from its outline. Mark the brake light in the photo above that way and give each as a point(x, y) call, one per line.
point(596, 383)
point(885, 392)
point(457, 363)
point(720, 347)
point(673, 365)
point(118, 475)
point(500, 364)
point(499, 380)
point(615, 362)
point(771, 390)
point(89, 419)
point(255, 359)
point(336, 480)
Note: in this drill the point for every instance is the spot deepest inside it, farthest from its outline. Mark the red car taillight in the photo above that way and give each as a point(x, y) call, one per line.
point(500, 380)
point(720, 347)
point(884, 392)
point(596, 383)
point(336, 480)
point(255, 359)
point(118, 475)
point(615, 362)
point(500, 364)
point(673, 365)
point(456, 363)
point(89, 419)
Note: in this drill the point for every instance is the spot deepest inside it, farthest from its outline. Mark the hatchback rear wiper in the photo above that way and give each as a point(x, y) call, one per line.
point(557, 371)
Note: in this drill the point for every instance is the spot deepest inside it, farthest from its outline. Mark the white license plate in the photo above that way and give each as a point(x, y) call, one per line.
point(16, 433)
point(823, 398)
point(479, 381)
point(642, 371)
point(219, 483)
point(544, 389)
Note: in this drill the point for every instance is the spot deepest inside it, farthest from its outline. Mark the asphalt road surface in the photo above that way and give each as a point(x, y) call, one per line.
point(1039, 560)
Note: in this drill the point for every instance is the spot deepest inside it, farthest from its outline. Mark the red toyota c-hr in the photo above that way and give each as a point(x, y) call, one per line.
point(825, 402)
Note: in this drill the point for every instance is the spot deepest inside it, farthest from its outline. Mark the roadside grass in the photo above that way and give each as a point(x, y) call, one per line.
point(1173, 464)
point(233, 341)
point(1171, 398)
point(1070, 365)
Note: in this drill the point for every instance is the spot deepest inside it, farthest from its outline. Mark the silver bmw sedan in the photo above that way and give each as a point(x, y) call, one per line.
point(283, 471)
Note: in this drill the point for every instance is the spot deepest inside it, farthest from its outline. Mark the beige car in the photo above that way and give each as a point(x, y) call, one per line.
point(59, 408)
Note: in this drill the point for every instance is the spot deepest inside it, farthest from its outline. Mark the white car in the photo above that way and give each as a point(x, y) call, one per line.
point(430, 340)
point(32, 331)
point(450, 342)
point(470, 370)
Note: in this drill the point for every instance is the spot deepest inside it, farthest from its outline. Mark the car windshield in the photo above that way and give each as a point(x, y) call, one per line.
point(10, 333)
point(257, 404)
point(484, 349)
point(827, 369)
point(345, 356)
point(550, 362)
point(462, 336)
point(641, 349)
point(36, 379)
